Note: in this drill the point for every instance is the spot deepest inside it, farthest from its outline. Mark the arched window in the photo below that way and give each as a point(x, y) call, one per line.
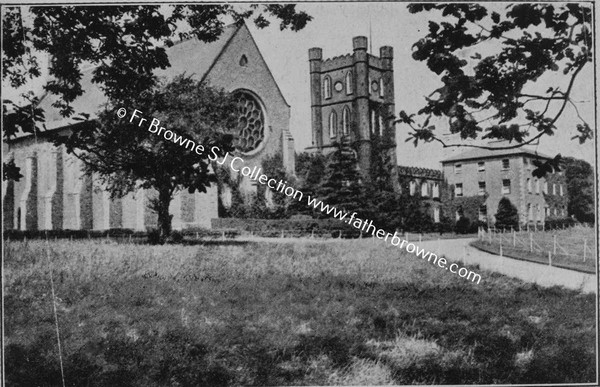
point(373, 122)
point(412, 188)
point(332, 125)
point(349, 85)
point(381, 92)
point(380, 125)
point(424, 189)
point(327, 87)
point(436, 190)
point(346, 121)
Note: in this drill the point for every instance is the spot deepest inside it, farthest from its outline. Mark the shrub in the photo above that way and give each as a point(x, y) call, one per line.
point(463, 226)
point(507, 215)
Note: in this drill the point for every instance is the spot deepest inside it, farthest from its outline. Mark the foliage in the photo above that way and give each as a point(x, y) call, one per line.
point(309, 169)
point(463, 225)
point(126, 44)
point(507, 215)
point(580, 189)
point(489, 96)
point(126, 156)
point(341, 185)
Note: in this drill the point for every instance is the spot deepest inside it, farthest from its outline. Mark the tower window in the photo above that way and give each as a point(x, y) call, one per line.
point(373, 122)
point(346, 121)
point(457, 168)
point(481, 166)
point(244, 61)
point(349, 86)
point(332, 125)
point(327, 87)
point(380, 125)
point(381, 87)
point(505, 164)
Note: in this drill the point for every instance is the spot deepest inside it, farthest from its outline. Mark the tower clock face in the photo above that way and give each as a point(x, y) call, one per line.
point(375, 85)
point(338, 86)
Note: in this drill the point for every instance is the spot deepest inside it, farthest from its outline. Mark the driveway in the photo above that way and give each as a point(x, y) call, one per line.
point(544, 275)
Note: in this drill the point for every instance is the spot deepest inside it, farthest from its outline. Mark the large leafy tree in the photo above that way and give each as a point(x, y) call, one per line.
point(580, 188)
point(128, 156)
point(125, 43)
point(492, 94)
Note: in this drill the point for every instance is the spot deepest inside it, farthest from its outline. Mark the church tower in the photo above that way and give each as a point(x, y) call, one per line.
point(352, 96)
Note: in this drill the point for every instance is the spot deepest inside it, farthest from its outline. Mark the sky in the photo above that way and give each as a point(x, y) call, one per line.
point(389, 23)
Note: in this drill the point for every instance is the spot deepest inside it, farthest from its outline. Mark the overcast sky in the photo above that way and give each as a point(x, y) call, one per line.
point(332, 29)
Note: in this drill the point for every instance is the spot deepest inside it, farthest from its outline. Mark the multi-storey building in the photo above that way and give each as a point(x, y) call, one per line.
point(494, 174)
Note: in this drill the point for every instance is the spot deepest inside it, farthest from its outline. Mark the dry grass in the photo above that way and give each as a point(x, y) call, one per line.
point(353, 312)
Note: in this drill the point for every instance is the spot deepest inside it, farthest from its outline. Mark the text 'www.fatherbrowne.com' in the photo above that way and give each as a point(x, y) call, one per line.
point(236, 164)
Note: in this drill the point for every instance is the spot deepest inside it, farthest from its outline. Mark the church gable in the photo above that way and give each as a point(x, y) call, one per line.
point(241, 64)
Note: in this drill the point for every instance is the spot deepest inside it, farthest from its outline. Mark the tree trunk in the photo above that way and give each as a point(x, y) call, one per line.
point(164, 218)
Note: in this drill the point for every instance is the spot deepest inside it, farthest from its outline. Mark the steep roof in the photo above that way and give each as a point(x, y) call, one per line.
point(478, 153)
point(191, 56)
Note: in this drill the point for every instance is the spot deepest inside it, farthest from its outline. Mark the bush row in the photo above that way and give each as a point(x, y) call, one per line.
point(70, 234)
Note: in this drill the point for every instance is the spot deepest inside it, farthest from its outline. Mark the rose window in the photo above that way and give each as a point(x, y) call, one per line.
point(251, 123)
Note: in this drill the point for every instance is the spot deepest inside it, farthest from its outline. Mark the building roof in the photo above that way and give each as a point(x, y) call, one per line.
point(191, 56)
point(419, 172)
point(478, 153)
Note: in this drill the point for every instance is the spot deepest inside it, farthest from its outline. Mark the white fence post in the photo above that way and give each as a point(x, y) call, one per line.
point(514, 239)
point(530, 242)
point(584, 249)
point(549, 259)
point(554, 244)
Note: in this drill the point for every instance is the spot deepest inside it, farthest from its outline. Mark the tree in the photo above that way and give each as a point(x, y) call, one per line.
point(127, 156)
point(580, 189)
point(341, 185)
point(125, 43)
point(507, 215)
point(495, 95)
point(309, 169)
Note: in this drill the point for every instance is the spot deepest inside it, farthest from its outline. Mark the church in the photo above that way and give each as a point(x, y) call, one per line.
point(54, 194)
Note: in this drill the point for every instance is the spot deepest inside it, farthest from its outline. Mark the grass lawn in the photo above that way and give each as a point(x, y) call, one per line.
point(342, 313)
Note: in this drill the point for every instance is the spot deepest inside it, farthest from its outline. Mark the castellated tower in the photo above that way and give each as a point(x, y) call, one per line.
point(352, 96)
